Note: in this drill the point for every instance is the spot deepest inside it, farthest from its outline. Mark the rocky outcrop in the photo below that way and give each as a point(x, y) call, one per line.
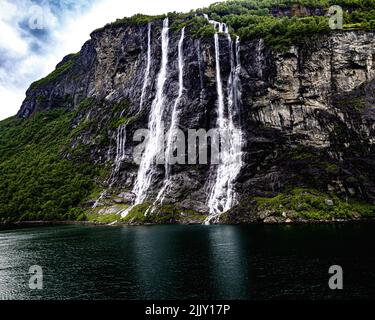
point(307, 113)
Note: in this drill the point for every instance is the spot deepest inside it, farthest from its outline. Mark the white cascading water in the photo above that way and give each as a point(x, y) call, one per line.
point(98, 201)
point(174, 120)
point(200, 65)
point(121, 130)
point(155, 126)
point(222, 195)
point(260, 57)
point(120, 149)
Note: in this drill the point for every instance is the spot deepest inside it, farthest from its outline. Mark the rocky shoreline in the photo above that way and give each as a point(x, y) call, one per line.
point(320, 116)
point(304, 105)
point(117, 223)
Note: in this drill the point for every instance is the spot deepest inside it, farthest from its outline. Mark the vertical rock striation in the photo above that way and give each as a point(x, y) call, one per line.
point(301, 112)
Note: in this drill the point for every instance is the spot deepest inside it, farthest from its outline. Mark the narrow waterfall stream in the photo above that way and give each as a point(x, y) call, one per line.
point(156, 131)
point(121, 130)
point(171, 136)
point(221, 184)
point(201, 75)
point(120, 150)
point(222, 194)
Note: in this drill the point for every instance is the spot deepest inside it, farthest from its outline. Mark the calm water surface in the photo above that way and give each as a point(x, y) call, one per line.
point(188, 262)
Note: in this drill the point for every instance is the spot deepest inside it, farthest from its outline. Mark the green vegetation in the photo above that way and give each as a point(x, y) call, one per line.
point(332, 168)
point(163, 215)
point(137, 214)
point(41, 99)
point(315, 205)
point(280, 23)
point(302, 153)
point(103, 218)
point(120, 115)
point(119, 112)
point(136, 20)
point(198, 26)
point(57, 72)
point(36, 182)
point(357, 104)
point(167, 213)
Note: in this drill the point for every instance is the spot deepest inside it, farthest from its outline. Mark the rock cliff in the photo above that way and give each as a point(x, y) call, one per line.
point(306, 114)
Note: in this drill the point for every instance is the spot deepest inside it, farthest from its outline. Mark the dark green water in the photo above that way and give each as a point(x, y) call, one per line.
point(188, 262)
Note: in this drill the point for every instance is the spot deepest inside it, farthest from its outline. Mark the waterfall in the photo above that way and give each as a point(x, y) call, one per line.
point(120, 149)
point(201, 75)
point(155, 126)
point(148, 67)
point(219, 26)
point(222, 195)
point(221, 188)
point(101, 197)
point(121, 130)
point(175, 111)
point(120, 157)
point(219, 86)
point(171, 137)
point(259, 58)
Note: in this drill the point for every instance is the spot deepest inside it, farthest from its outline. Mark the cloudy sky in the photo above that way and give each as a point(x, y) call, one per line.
point(36, 34)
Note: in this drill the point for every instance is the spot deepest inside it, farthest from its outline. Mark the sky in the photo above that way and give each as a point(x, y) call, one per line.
point(36, 34)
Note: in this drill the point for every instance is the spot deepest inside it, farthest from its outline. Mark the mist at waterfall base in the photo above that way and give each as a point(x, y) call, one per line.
point(189, 262)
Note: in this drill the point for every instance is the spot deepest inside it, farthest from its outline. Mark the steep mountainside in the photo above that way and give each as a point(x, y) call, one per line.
point(304, 112)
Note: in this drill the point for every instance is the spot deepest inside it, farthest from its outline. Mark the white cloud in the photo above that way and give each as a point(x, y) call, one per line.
point(10, 39)
point(11, 97)
point(77, 29)
point(65, 38)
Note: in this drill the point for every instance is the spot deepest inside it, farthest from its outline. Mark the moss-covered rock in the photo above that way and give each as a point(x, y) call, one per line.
point(164, 214)
point(296, 205)
point(58, 72)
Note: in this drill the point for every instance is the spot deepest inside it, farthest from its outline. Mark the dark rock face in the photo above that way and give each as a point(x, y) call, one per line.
point(66, 89)
point(307, 97)
point(297, 10)
point(307, 114)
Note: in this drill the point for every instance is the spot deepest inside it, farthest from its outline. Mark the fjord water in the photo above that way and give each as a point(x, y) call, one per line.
point(188, 262)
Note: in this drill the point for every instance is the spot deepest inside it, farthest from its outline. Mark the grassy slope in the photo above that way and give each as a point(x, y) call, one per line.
point(312, 204)
point(266, 19)
point(35, 181)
